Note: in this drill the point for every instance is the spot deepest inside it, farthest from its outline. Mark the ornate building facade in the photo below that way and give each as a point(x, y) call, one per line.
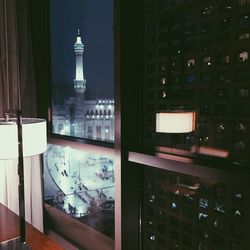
point(82, 118)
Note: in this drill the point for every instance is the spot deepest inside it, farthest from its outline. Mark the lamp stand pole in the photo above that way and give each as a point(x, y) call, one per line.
point(21, 178)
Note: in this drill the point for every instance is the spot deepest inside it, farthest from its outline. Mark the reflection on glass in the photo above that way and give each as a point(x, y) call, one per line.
point(81, 185)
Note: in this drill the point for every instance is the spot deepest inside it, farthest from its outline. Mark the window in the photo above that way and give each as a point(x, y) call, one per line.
point(205, 78)
point(163, 80)
point(223, 37)
point(205, 44)
point(190, 14)
point(81, 69)
point(163, 67)
point(206, 61)
point(243, 56)
point(244, 2)
point(224, 59)
point(190, 31)
point(190, 78)
point(163, 37)
point(225, 77)
point(164, 23)
point(190, 46)
point(243, 36)
point(207, 11)
point(175, 64)
point(244, 20)
point(225, 6)
point(242, 75)
point(190, 63)
point(242, 92)
point(81, 185)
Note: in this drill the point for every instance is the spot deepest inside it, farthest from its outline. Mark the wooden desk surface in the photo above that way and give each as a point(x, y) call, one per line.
point(9, 229)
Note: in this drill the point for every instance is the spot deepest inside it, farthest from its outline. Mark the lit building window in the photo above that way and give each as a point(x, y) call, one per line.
point(244, 2)
point(98, 131)
point(163, 67)
point(243, 56)
point(206, 61)
point(243, 92)
point(207, 11)
point(243, 36)
point(163, 80)
point(190, 63)
point(225, 6)
point(244, 20)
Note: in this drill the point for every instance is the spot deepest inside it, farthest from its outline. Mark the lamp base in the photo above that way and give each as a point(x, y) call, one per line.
point(14, 244)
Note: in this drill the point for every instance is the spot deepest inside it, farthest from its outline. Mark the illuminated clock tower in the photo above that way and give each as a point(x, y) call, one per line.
point(79, 81)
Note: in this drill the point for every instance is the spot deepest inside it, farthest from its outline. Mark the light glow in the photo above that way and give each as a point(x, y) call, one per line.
point(175, 122)
point(34, 138)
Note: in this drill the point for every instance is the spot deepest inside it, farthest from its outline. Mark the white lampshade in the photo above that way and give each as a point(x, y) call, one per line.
point(34, 138)
point(175, 122)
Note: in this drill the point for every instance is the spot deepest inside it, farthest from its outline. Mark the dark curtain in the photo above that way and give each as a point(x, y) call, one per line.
point(17, 80)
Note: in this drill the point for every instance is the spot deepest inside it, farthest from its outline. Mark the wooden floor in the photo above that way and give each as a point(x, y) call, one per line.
point(9, 229)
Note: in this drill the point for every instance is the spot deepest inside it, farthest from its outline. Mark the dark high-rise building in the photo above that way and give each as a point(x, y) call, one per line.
point(197, 57)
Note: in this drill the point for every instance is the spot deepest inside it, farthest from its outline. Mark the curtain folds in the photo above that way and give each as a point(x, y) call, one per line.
point(17, 78)
point(18, 90)
point(8, 56)
point(32, 185)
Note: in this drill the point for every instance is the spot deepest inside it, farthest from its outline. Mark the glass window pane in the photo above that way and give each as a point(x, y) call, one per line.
point(81, 185)
point(82, 75)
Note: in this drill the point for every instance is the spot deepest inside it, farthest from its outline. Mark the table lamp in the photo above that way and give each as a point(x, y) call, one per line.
point(21, 137)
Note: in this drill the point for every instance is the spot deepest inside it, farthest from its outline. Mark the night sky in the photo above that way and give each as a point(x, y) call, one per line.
point(94, 18)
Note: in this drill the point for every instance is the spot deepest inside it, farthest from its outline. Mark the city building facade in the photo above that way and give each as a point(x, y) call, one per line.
point(80, 117)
